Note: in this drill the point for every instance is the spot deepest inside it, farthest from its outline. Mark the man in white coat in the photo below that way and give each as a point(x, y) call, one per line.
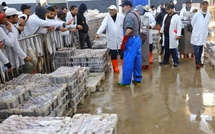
point(160, 7)
point(12, 17)
point(186, 12)
point(171, 30)
point(5, 40)
point(113, 24)
point(199, 35)
point(3, 58)
point(72, 15)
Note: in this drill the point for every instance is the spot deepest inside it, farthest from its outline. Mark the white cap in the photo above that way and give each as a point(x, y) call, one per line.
point(112, 7)
point(11, 11)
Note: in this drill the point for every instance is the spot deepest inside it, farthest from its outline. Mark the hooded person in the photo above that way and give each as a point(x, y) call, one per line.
point(149, 27)
point(4, 5)
point(112, 24)
point(83, 31)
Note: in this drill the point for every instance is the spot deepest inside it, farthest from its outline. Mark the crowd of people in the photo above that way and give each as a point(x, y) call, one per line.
point(122, 30)
point(15, 25)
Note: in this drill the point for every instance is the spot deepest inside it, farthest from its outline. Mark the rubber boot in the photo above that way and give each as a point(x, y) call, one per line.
point(197, 65)
point(115, 66)
point(122, 61)
point(150, 58)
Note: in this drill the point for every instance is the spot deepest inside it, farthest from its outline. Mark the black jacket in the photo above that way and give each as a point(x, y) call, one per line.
point(160, 17)
point(81, 20)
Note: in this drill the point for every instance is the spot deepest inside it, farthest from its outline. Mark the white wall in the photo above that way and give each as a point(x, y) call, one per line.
point(19, 1)
point(57, 1)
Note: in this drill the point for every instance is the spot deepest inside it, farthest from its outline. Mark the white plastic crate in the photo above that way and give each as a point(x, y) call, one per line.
point(11, 96)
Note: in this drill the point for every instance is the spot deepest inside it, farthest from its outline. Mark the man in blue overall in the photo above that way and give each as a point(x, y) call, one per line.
point(131, 45)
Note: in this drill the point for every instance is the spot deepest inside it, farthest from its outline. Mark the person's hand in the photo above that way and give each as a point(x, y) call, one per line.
point(69, 22)
point(72, 30)
point(22, 22)
point(97, 36)
point(125, 39)
point(27, 58)
point(177, 37)
point(21, 28)
point(51, 29)
point(148, 27)
point(63, 29)
point(8, 26)
point(10, 69)
point(79, 27)
point(2, 44)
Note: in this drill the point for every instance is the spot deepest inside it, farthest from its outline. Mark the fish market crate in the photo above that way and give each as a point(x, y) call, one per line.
point(104, 123)
point(24, 79)
point(73, 92)
point(79, 124)
point(58, 90)
point(11, 96)
point(36, 106)
point(72, 85)
point(35, 125)
point(100, 43)
point(62, 56)
point(65, 52)
point(64, 74)
point(61, 108)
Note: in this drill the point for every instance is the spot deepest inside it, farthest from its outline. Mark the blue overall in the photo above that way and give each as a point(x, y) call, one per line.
point(132, 60)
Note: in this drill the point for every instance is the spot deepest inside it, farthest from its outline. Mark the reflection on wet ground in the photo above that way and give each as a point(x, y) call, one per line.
point(169, 101)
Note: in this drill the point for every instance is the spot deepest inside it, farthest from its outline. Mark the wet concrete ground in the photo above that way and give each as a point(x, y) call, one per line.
point(169, 101)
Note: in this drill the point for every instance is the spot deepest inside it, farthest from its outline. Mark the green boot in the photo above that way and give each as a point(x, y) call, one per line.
point(122, 85)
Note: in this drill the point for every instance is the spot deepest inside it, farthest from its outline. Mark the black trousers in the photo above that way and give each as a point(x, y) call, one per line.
point(84, 38)
point(114, 54)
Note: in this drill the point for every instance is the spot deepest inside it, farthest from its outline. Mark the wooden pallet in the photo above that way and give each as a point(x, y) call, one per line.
point(94, 80)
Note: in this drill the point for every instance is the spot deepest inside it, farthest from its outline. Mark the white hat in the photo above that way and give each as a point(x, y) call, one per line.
point(112, 7)
point(11, 11)
point(146, 7)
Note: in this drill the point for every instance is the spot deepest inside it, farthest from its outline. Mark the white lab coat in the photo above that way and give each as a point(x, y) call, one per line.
point(74, 22)
point(9, 43)
point(114, 31)
point(153, 12)
point(3, 58)
point(152, 23)
point(200, 28)
point(34, 23)
point(175, 24)
point(183, 10)
point(18, 52)
point(159, 9)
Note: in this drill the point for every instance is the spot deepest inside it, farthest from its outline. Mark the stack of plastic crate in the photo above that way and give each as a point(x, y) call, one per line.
point(79, 124)
point(62, 56)
point(25, 79)
point(210, 52)
point(95, 59)
point(75, 78)
point(33, 100)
